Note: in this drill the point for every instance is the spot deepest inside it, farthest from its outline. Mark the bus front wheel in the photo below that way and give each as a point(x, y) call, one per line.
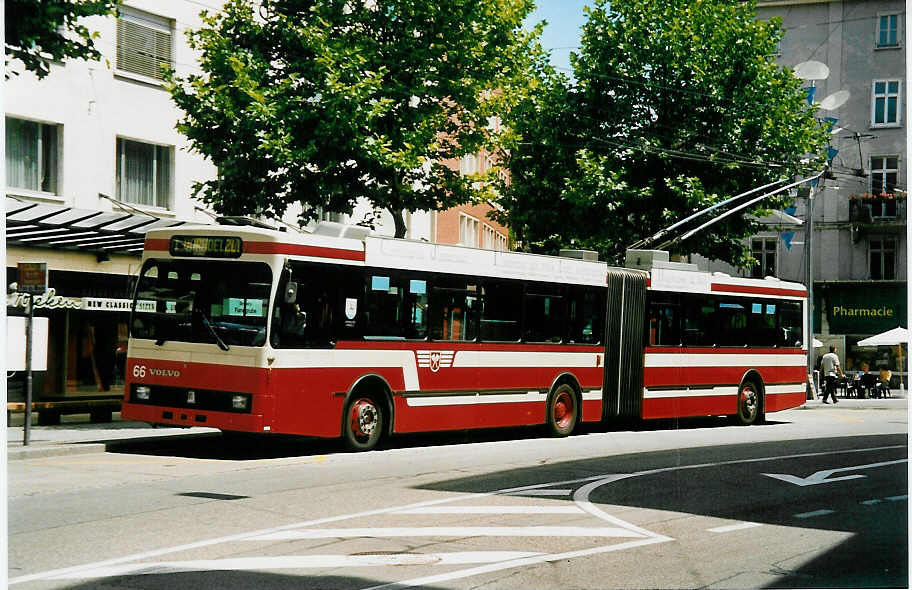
point(563, 411)
point(363, 423)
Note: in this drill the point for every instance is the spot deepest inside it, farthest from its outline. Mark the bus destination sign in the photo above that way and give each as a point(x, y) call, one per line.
point(206, 246)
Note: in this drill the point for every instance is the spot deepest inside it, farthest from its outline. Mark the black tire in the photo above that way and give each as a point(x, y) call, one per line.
point(748, 404)
point(362, 423)
point(563, 411)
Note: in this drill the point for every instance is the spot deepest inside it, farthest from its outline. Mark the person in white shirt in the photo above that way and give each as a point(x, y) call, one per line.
point(831, 369)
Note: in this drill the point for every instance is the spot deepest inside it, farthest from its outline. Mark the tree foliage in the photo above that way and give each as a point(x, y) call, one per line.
point(38, 32)
point(675, 105)
point(323, 102)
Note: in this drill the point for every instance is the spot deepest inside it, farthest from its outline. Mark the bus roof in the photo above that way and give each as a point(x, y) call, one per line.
point(365, 249)
point(386, 252)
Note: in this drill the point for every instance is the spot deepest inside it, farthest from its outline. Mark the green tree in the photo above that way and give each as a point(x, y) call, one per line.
point(675, 105)
point(41, 31)
point(323, 102)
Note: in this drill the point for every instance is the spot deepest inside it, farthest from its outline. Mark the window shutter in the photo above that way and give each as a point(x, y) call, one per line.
point(142, 49)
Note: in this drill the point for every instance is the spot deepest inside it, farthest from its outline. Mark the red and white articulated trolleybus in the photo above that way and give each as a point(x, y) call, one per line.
point(253, 330)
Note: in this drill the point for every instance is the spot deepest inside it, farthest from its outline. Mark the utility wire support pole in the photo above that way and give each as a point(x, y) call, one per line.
point(26, 430)
point(809, 254)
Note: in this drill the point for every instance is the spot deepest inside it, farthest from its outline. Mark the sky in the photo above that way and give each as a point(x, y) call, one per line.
point(565, 19)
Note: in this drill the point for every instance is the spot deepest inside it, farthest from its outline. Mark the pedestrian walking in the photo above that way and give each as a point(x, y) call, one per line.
point(831, 369)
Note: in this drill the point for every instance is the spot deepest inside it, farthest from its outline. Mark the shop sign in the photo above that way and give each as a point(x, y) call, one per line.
point(33, 277)
point(865, 310)
point(51, 300)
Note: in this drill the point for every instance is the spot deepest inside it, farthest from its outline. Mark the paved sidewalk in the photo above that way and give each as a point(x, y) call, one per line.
point(78, 436)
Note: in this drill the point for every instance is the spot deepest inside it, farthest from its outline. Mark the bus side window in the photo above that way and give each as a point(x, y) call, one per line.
point(663, 324)
point(306, 322)
point(416, 306)
point(699, 321)
point(500, 312)
point(762, 323)
point(586, 313)
point(790, 331)
point(454, 308)
point(732, 323)
point(545, 314)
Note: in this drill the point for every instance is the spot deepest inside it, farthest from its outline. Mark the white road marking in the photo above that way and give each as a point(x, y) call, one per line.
point(299, 562)
point(450, 531)
point(544, 492)
point(815, 513)
point(496, 567)
point(77, 569)
point(820, 477)
point(492, 510)
point(734, 527)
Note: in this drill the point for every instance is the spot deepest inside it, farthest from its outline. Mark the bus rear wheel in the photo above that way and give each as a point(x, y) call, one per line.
point(563, 411)
point(748, 403)
point(363, 423)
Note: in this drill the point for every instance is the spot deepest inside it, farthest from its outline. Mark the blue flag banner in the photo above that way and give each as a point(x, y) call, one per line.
point(791, 210)
point(812, 92)
point(831, 153)
point(787, 238)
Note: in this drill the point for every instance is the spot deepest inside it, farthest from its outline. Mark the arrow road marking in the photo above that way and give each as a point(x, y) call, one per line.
point(824, 476)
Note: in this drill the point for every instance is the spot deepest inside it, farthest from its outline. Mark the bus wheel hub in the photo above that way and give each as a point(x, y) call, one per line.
point(364, 418)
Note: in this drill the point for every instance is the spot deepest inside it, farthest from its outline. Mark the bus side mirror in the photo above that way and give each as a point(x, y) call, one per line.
point(291, 292)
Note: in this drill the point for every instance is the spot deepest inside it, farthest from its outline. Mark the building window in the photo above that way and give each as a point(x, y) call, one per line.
point(764, 252)
point(883, 259)
point(884, 174)
point(887, 31)
point(143, 173)
point(468, 230)
point(468, 165)
point(31, 155)
point(143, 43)
point(885, 103)
point(492, 239)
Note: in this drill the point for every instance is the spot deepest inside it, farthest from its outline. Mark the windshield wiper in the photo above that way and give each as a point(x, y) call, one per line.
point(218, 339)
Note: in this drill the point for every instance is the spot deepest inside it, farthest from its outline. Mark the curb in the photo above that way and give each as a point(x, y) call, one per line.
point(54, 450)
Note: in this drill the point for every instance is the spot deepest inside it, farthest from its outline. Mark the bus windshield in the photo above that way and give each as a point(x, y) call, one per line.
point(225, 303)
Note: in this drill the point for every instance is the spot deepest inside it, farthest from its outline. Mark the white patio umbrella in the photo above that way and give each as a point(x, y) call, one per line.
point(889, 338)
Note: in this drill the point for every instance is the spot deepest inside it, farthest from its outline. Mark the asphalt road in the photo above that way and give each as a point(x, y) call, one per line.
point(815, 498)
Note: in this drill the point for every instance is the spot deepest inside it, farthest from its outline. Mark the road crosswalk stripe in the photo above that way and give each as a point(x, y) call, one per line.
point(734, 527)
point(492, 510)
point(543, 492)
point(453, 531)
point(301, 562)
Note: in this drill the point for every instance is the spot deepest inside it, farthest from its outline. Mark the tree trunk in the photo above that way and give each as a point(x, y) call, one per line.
point(399, 220)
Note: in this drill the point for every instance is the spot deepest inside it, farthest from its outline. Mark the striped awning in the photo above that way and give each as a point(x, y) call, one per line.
point(39, 225)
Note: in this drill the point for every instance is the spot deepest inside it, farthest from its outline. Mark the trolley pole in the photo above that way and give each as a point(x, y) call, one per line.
point(26, 431)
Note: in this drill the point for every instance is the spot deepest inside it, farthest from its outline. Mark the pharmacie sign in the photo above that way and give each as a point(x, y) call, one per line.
point(51, 300)
point(867, 310)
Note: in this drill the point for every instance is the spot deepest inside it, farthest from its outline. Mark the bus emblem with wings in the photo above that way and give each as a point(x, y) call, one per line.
point(435, 359)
